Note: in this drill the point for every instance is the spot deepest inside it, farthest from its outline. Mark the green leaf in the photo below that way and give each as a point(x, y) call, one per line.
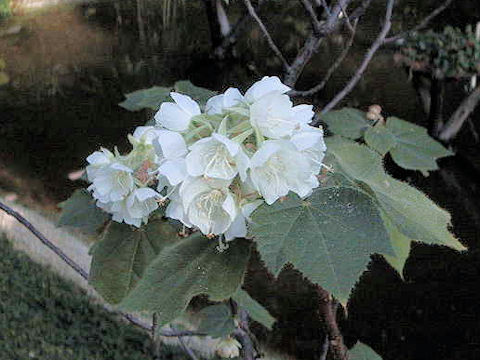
point(256, 311)
point(414, 214)
point(199, 94)
point(150, 98)
point(410, 145)
point(400, 244)
point(190, 267)
point(122, 255)
point(216, 321)
point(80, 211)
point(318, 234)
point(347, 122)
point(380, 138)
point(362, 352)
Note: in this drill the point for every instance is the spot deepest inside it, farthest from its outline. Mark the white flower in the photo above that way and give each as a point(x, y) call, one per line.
point(175, 209)
point(170, 149)
point(146, 134)
point(135, 209)
point(219, 103)
point(238, 229)
point(311, 143)
point(112, 182)
point(98, 160)
point(176, 116)
point(265, 86)
point(217, 157)
point(278, 167)
point(208, 204)
point(275, 116)
point(228, 348)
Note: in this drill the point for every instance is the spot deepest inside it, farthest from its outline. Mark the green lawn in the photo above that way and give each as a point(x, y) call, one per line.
point(44, 317)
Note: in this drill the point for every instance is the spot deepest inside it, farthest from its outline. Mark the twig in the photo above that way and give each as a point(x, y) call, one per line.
point(187, 349)
point(368, 57)
point(328, 312)
point(314, 40)
point(332, 68)
point(242, 334)
point(455, 123)
point(78, 269)
point(230, 39)
point(270, 41)
point(325, 6)
point(325, 346)
point(313, 15)
point(422, 23)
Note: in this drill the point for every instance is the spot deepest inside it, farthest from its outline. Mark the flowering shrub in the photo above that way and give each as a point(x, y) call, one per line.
point(216, 167)
point(251, 168)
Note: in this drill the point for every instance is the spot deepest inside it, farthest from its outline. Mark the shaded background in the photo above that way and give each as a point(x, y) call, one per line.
point(69, 66)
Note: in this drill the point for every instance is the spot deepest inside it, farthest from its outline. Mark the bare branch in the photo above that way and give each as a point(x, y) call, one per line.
point(187, 349)
point(325, 6)
point(270, 41)
point(332, 68)
point(456, 121)
point(78, 269)
point(368, 57)
point(422, 23)
point(325, 346)
point(328, 312)
point(313, 15)
point(314, 40)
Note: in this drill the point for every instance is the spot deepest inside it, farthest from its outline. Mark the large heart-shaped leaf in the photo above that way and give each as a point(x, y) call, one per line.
point(414, 214)
point(190, 267)
point(329, 236)
point(81, 211)
point(122, 255)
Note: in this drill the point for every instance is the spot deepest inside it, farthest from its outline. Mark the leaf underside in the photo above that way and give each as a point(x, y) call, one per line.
point(216, 321)
point(190, 267)
point(81, 211)
point(122, 255)
point(256, 311)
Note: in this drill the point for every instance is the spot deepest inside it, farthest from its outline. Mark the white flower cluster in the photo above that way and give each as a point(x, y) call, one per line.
point(215, 167)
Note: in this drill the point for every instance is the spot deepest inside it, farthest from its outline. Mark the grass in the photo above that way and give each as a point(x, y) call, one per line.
point(45, 317)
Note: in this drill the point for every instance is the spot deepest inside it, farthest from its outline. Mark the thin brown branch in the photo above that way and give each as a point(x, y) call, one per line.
point(78, 269)
point(314, 39)
point(270, 41)
point(328, 312)
point(458, 118)
point(332, 68)
point(316, 25)
point(422, 24)
point(366, 61)
point(231, 38)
